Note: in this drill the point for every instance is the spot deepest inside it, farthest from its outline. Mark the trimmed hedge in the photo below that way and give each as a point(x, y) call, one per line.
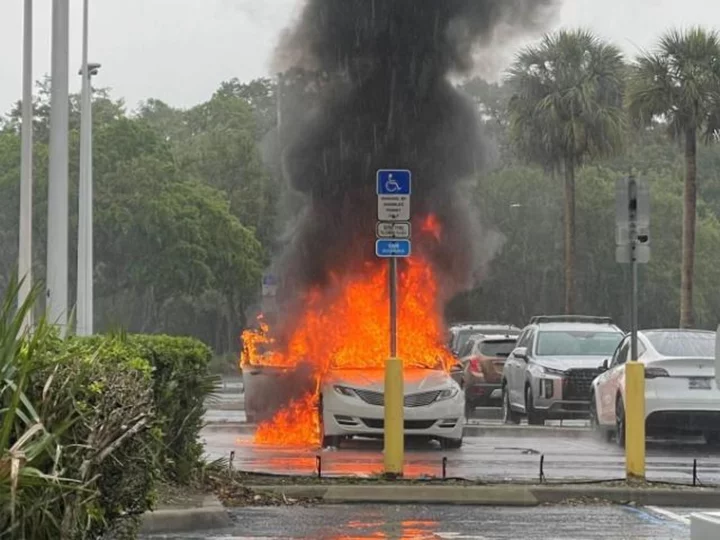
point(137, 407)
point(97, 398)
point(181, 383)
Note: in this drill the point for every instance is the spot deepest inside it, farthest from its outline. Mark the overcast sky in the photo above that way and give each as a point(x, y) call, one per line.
point(180, 50)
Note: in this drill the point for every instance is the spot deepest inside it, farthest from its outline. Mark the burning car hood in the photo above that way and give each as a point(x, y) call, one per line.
point(570, 362)
point(416, 380)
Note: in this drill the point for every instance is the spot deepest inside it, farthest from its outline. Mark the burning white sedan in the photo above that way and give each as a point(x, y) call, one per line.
point(351, 404)
point(681, 395)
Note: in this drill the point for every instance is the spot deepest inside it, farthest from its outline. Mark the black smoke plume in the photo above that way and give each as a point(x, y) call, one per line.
point(387, 102)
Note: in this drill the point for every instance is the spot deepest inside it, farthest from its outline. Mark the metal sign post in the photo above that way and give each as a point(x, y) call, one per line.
point(393, 240)
point(633, 247)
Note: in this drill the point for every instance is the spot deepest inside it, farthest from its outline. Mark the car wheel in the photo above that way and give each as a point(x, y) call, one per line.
point(508, 415)
point(620, 422)
point(451, 444)
point(712, 437)
point(598, 431)
point(534, 418)
point(326, 441)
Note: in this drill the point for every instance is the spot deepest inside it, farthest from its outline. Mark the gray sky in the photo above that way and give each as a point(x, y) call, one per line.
point(180, 50)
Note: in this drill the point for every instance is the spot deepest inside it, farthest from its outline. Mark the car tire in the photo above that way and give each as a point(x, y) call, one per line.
point(326, 441)
point(534, 417)
point(331, 441)
point(712, 437)
point(451, 444)
point(620, 422)
point(598, 431)
point(508, 415)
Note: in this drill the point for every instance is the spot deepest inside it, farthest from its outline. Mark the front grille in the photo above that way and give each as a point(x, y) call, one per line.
point(577, 382)
point(373, 398)
point(422, 399)
point(379, 423)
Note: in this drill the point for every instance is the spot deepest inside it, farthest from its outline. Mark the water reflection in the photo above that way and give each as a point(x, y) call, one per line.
point(404, 530)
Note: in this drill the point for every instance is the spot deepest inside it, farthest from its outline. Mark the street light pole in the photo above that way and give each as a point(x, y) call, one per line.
point(57, 238)
point(85, 264)
point(25, 239)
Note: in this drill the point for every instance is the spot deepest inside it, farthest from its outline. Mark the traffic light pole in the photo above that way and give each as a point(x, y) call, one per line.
point(634, 370)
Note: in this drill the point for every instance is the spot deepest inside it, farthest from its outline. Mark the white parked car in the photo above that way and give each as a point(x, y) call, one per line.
point(351, 404)
point(681, 394)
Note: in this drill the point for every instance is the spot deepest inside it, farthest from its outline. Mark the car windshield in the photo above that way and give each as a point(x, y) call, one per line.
point(682, 343)
point(500, 349)
point(463, 337)
point(577, 343)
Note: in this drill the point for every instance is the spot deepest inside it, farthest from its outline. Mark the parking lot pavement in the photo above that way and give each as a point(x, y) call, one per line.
point(431, 522)
point(492, 458)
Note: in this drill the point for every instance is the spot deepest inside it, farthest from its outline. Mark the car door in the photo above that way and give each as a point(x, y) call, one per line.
point(612, 379)
point(510, 368)
point(519, 366)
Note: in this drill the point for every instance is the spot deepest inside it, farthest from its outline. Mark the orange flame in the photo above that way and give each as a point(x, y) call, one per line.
point(432, 225)
point(347, 325)
point(295, 425)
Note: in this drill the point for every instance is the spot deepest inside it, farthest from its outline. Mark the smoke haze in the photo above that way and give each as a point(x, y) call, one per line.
point(387, 102)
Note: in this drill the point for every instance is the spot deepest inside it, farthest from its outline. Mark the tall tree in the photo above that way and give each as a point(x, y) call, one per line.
point(679, 84)
point(567, 108)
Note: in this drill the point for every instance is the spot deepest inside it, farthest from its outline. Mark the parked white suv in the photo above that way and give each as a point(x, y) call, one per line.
point(548, 375)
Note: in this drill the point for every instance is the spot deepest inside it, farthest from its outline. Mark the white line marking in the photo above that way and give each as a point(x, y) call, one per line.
point(668, 514)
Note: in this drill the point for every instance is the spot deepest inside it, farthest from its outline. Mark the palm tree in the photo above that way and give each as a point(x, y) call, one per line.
point(679, 85)
point(567, 108)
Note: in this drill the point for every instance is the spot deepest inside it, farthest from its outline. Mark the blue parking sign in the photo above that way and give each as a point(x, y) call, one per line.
point(394, 182)
point(386, 249)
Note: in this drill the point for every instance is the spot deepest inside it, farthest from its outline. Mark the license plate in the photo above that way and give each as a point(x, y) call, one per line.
point(699, 383)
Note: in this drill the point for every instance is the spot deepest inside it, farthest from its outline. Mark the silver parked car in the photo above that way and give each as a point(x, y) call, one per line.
point(548, 375)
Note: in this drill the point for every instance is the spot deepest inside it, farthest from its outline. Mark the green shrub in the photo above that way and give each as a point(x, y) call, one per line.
point(113, 443)
point(88, 425)
point(182, 384)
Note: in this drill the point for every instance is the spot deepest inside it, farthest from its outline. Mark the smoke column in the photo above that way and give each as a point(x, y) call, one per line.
point(388, 103)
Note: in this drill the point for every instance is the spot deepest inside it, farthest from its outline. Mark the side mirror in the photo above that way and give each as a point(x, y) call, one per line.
point(605, 365)
point(521, 352)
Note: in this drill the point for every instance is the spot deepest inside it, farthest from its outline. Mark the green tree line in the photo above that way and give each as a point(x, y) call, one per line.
point(189, 206)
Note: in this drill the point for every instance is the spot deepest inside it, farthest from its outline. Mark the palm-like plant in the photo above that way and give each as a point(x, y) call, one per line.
point(30, 476)
point(679, 85)
point(567, 108)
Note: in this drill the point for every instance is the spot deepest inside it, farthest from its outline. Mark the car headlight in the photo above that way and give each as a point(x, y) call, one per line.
point(448, 393)
point(345, 391)
point(552, 371)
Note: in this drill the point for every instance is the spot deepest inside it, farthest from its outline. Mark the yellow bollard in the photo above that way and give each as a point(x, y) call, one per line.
point(635, 420)
point(394, 421)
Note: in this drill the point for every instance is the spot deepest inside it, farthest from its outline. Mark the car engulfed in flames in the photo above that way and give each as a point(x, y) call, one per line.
point(342, 327)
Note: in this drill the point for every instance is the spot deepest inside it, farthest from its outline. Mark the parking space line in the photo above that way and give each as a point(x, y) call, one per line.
point(668, 514)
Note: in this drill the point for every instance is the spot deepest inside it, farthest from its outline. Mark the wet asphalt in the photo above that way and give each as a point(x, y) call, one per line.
point(514, 456)
point(421, 522)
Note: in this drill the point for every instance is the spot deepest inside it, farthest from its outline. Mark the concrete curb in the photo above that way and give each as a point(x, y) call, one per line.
point(209, 514)
point(497, 495)
point(472, 430)
point(469, 430)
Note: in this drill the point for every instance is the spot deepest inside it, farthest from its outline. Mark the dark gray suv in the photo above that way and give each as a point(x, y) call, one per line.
point(548, 375)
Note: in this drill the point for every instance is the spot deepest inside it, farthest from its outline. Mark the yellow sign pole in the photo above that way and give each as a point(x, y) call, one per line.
point(635, 421)
point(394, 428)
